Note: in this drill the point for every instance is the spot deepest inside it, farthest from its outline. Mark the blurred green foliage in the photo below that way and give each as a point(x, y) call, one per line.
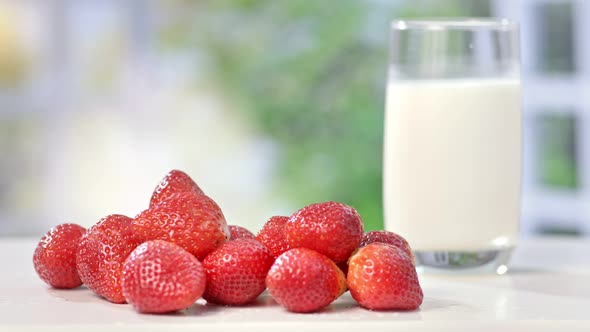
point(557, 149)
point(311, 75)
point(555, 40)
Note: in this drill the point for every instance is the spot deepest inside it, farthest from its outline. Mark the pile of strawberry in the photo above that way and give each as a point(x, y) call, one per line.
point(181, 249)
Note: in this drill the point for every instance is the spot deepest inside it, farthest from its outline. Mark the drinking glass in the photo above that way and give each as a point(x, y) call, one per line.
point(452, 146)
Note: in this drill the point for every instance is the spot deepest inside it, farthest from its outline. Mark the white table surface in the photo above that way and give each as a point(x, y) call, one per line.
point(548, 288)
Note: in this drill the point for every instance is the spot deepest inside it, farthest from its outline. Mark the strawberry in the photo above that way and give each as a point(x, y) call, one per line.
point(193, 221)
point(387, 237)
point(343, 266)
point(303, 280)
point(331, 228)
point(55, 256)
point(159, 276)
point(383, 277)
point(102, 252)
point(236, 272)
point(239, 232)
point(173, 183)
point(272, 235)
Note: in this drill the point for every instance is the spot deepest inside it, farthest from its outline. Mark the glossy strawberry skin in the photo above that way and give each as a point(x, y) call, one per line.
point(194, 222)
point(239, 232)
point(272, 235)
point(383, 277)
point(236, 272)
point(159, 276)
point(55, 256)
point(173, 183)
point(392, 238)
point(303, 280)
point(101, 254)
point(331, 228)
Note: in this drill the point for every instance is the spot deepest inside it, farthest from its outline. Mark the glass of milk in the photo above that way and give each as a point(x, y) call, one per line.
point(452, 147)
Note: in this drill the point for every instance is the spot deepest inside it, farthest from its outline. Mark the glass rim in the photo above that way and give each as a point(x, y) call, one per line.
point(458, 23)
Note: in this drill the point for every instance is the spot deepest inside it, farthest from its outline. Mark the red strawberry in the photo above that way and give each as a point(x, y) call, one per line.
point(331, 228)
point(194, 222)
point(173, 183)
point(101, 253)
point(159, 276)
point(343, 266)
point(236, 272)
point(55, 256)
point(272, 235)
point(383, 277)
point(303, 280)
point(387, 237)
point(239, 232)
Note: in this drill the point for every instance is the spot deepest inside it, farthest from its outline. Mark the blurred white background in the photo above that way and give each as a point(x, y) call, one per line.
point(99, 99)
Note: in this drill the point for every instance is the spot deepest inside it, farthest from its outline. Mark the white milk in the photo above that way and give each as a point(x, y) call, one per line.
point(452, 163)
